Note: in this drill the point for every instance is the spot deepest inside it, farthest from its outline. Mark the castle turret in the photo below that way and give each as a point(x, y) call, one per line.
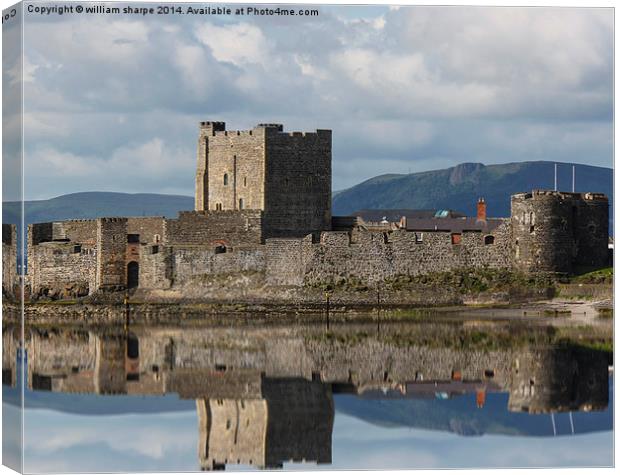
point(553, 231)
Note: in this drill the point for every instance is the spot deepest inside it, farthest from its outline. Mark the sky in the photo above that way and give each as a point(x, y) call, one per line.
point(58, 442)
point(112, 103)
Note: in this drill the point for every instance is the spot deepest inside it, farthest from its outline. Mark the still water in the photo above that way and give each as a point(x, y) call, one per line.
point(406, 395)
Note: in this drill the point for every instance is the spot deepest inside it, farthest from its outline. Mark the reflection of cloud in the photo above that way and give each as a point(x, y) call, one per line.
point(55, 439)
point(358, 444)
point(441, 85)
point(11, 434)
point(61, 442)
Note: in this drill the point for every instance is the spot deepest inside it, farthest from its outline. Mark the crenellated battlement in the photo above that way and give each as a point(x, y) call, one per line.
point(563, 195)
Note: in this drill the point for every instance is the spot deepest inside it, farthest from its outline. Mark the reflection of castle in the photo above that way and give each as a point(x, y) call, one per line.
point(235, 363)
point(263, 206)
point(290, 420)
point(258, 406)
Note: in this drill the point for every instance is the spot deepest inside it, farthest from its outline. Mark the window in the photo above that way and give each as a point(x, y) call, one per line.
point(245, 181)
point(531, 229)
point(156, 238)
point(456, 238)
point(240, 203)
point(220, 249)
point(225, 179)
point(489, 240)
point(133, 238)
point(218, 206)
point(77, 249)
point(419, 237)
point(155, 249)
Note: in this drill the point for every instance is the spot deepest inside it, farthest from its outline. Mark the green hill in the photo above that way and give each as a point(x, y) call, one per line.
point(95, 205)
point(455, 188)
point(460, 187)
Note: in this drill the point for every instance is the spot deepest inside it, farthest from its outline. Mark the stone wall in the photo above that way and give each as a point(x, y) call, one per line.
point(214, 228)
point(61, 269)
point(207, 129)
point(83, 231)
point(191, 262)
point(236, 169)
point(373, 257)
point(9, 258)
point(285, 260)
point(592, 231)
point(111, 253)
point(156, 266)
point(298, 182)
point(367, 256)
point(150, 229)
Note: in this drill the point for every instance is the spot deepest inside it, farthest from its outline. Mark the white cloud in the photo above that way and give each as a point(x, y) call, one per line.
point(489, 84)
point(239, 44)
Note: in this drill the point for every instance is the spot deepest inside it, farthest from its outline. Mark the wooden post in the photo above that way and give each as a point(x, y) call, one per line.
point(327, 309)
point(378, 310)
point(126, 302)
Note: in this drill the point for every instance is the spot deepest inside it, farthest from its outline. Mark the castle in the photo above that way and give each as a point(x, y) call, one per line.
point(263, 207)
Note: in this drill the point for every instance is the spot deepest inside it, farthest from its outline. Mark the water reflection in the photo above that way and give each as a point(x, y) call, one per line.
point(267, 396)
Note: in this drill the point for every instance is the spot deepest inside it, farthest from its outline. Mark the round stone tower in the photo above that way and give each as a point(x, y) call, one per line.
point(542, 231)
point(592, 230)
point(559, 379)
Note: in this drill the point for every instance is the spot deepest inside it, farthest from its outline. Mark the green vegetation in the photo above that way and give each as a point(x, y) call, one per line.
point(599, 276)
point(605, 345)
point(446, 335)
point(472, 281)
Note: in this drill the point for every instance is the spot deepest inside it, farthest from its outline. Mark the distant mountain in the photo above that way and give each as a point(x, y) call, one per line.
point(458, 415)
point(461, 416)
point(456, 188)
point(95, 205)
point(459, 187)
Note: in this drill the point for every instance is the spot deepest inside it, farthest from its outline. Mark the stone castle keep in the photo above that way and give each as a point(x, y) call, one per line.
point(263, 208)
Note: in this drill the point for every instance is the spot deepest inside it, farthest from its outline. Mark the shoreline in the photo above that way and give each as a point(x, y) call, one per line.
point(555, 311)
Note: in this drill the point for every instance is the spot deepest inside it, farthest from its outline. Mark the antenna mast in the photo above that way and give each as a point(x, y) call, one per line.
point(573, 178)
point(555, 177)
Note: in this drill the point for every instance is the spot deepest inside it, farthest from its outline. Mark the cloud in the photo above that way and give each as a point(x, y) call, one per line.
point(59, 442)
point(409, 88)
point(240, 43)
